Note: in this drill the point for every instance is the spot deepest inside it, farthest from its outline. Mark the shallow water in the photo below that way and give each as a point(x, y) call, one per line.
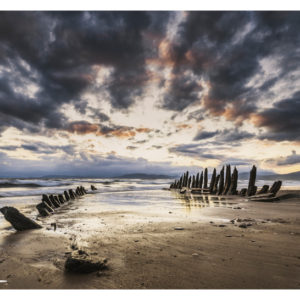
point(118, 194)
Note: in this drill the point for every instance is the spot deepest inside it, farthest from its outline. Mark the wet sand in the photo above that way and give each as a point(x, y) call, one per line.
point(197, 244)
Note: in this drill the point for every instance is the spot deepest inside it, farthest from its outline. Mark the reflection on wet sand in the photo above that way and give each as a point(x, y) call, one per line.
point(190, 201)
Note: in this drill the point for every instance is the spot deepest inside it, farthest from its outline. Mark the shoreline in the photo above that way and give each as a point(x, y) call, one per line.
point(144, 249)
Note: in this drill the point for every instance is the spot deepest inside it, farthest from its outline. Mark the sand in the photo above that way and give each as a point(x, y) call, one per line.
point(199, 246)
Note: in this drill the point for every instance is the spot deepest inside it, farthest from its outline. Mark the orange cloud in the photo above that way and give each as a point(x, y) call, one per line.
point(83, 127)
point(183, 126)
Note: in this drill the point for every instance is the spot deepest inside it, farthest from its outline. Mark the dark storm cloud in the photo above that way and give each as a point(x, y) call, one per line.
point(282, 120)
point(56, 51)
point(202, 135)
point(41, 148)
point(234, 135)
point(183, 91)
point(111, 130)
point(195, 151)
point(224, 136)
point(225, 48)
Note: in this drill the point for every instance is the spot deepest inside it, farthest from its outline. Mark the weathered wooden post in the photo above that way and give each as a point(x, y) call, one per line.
point(66, 196)
point(201, 180)
point(180, 182)
point(193, 181)
point(44, 209)
point(46, 199)
point(205, 179)
point(234, 180)
point(215, 189)
point(243, 192)
point(72, 194)
point(186, 178)
point(53, 200)
point(18, 220)
point(251, 186)
point(57, 200)
point(263, 190)
point(197, 180)
point(221, 184)
point(61, 198)
point(275, 187)
point(189, 182)
point(227, 180)
point(212, 181)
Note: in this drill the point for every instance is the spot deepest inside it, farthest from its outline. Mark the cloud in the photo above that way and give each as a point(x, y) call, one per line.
point(48, 60)
point(84, 127)
point(226, 50)
point(292, 159)
point(224, 136)
point(41, 148)
point(131, 147)
point(282, 120)
point(195, 151)
point(202, 135)
point(182, 92)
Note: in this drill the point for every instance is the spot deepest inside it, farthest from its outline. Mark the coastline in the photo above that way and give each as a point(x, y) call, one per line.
point(144, 249)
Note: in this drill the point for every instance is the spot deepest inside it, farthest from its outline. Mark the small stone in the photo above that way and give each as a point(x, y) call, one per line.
point(82, 252)
point(136, 241)
point(195, 254)
point(170, 212)
point(178, 228)
point(83, 265)
point(243, 225)
point(222, 225)
point(99, 274)
point(74, 247)
point(211, 222)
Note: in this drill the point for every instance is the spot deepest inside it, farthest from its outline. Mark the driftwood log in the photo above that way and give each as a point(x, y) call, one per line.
point(18, 220)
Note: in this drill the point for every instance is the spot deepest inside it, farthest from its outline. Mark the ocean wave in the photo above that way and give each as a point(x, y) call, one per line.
point(15, 183)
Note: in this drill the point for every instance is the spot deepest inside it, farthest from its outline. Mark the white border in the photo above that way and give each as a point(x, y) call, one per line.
point(149, 5)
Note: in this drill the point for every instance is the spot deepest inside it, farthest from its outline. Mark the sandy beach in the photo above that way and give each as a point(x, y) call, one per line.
point(200, 243)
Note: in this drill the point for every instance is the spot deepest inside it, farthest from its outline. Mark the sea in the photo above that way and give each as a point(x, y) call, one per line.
point(117, 192)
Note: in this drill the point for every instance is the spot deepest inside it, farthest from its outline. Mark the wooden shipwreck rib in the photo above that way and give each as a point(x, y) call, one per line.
point(225, 185)
point(46, 207)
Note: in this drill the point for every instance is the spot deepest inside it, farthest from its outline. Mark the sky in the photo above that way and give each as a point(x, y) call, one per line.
point(109, 93)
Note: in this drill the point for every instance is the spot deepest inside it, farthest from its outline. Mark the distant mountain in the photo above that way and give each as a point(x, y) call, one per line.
point(144, 176)
point(289, 176)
